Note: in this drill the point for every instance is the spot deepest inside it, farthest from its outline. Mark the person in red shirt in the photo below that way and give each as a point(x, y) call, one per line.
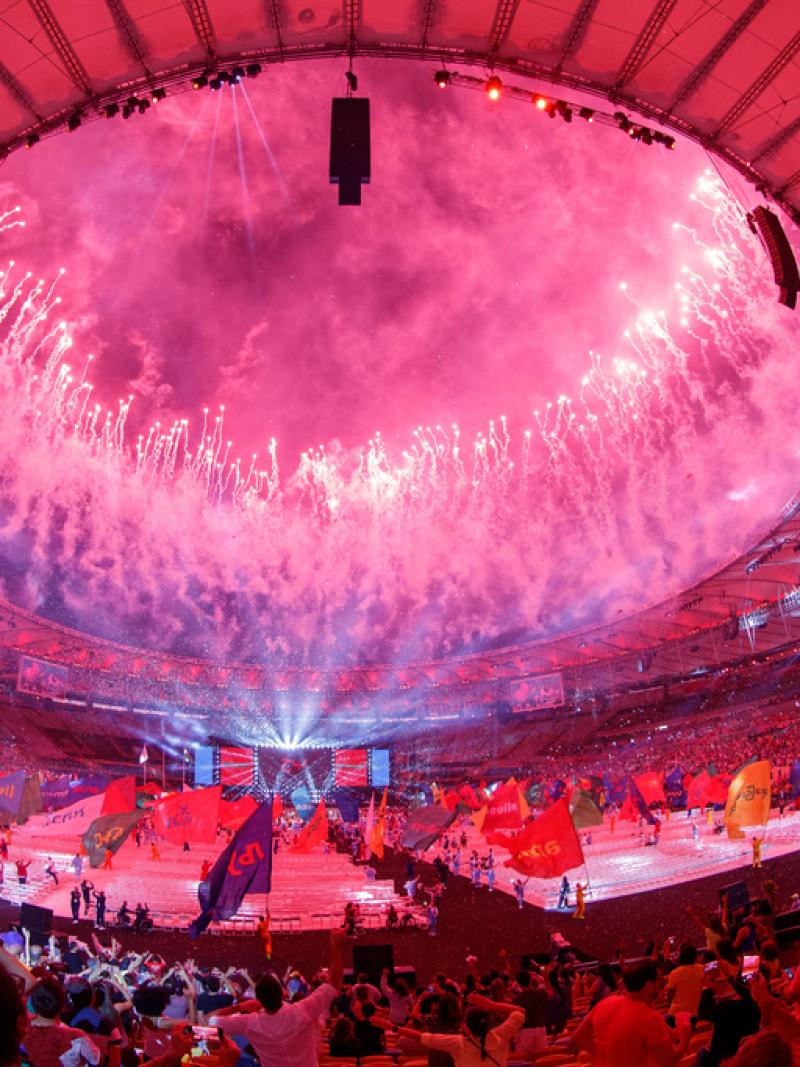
point(22, 870)
point(625, 1031)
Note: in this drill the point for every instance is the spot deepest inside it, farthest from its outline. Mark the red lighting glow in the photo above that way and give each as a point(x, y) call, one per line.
point(494, 87)
point(541, 102)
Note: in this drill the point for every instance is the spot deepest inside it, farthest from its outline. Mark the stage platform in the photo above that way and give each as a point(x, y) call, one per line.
point(619, 864)
point(309, 892)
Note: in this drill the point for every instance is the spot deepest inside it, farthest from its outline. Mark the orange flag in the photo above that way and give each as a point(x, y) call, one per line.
point(376, 838)
point(314, 832)
point(547, 847)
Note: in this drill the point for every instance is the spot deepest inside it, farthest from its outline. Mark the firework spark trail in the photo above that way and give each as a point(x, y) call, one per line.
point(355, 556)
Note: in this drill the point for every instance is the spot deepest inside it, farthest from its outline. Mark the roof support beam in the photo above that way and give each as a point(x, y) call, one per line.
point(352, 20)
point(704, 68)
point(790, 184)
point(576, 31)
point(62, 46)
point(634, 61)
point(781, 138)
point(501, 25)
point(132, 40)
point(429, 12)
point(16, 90)
point(276, 18)
point(762, 82)
point(202, 25)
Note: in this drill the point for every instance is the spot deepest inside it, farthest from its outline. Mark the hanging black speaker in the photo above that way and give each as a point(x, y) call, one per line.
point(350, 147)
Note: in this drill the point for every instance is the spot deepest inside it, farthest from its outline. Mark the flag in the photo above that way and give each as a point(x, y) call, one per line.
point(369, 826)
point(794, 778)
point(547, 847)
point(675, 789)
point(277, 806)
point(503, 809)
point(109, 831)
point(303, 804)
point(120, 795)
point(314, 832)
point(716, 792)
point(424, 824)
point(232, 813)
point(696, 790)
point(749, 796)
point(469, 797)
point(348, 804)
point(438, 794)
point(244, 867)
point(143, 757)
point(190, 816)
point(584, 811)
point(76, 819)
point(376, 840)
point(651, 786)
point(12, 786)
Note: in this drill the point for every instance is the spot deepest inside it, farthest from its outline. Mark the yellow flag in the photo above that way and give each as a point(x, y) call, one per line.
point(478, 817)
point(376, 840)
point(749, 796)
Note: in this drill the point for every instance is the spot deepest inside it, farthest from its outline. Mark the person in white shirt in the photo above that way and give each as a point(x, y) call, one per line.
point(284, 1034)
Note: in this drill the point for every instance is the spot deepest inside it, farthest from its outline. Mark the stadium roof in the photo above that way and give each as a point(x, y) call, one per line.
point(726, 72)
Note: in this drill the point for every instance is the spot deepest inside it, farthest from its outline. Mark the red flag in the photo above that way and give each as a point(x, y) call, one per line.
point(314, 832)
point(502, 809)
point(696, 790)
point(120, 796)
point(469, 797)
point(277, 806)
point(651, 786)
point(547, 847)
point(232, 813)
point(192, 816)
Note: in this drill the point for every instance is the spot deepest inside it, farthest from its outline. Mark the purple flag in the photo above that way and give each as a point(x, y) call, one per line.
point(244, 867)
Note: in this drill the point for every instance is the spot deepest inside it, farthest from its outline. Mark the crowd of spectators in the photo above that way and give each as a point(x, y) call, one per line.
point(728, 999)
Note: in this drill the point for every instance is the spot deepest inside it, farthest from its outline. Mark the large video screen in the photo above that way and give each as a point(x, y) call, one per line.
point(285, 770)
point(351, 768)
point(204, 765)
point(379, 767)
point(236, 766)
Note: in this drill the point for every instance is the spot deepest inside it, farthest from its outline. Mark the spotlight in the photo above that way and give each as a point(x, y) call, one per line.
point(237, 73)
point(564, 110)
point(223, 77)
point(110, 110)
point(646, 135)
point(199, 81)
point(541, 102)
point(158, 94)
point(215, 84)
point(669, 142)
point(586, 113)
point(252, 70)
point(32, 140)
point(143, 106)
point(494, 88)
point(73, 122)
point(352, 81)
point(622, 121)
point(127, 111)
point(442, 78)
